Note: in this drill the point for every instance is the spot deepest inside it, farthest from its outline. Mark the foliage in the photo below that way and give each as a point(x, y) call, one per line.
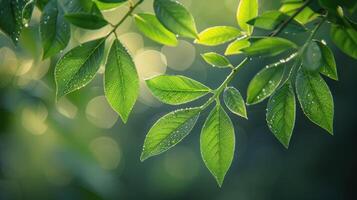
point(297, 71)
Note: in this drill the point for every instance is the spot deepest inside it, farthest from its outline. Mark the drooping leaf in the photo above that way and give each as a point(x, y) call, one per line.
point(312, 57)
point(176, 90)
point(121, 82)
point(153, 29)
point(168, 131)
point(345, 38)
point(328, 68)
point(217, 143)
point(86, 20)
point(264, 84)
point(217, 35)
point(281, 111)
point(78, 67)
point(270, 46)
point(108, 4)
point(216, 60)
point(175, 17)
point(235, 102)
point(247, 10)
point(236, 46)
point(55, 31)
point(315, 99)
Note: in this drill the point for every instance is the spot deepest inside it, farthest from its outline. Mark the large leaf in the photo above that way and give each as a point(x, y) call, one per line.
point(264, 84)
point(234, 102)
point(175, 17)
point(328, 61)
point(176, 90)
point(270, 46)
point(315, 99)
point(121, 82)
point(78, 67)
point(217, 35)
point(86, 20)
point(345, 38)
point(55, 31)
point(217, 143)
point(216, 60)
point(153, 29)
point(168, 131)
point(281, 111)
point(236, 46)
point(312, 57)
point(247, 10)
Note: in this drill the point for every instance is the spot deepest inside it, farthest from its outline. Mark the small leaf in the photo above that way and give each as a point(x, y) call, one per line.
point(175, 17)
point(108, 4)
point(78, 67)
point(264, 84)
point(269, 46)
point(312, 57)
point(153, 29)
point(218, 143)
point(236, 46)
point(168, 131)
point(217, 35)
point(234, 102)
point(121, 82)
point(315, 99)
point(247, 10)
point(86, 20)
point(55, 31)
point(176, 90)
point(216, 60)
point(281, 111)
point(329, 64)
point(345, 38)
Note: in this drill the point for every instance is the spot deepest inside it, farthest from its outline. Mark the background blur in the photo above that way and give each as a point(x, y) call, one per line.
point(77, 148)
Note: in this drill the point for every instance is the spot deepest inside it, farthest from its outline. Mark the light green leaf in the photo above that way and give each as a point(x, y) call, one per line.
point(315, 99)
point(281, 111)
point(168, 131)
point(312, 57)
point(234, 102)
point(247, 10)
point(121, 82)
point(108, 4)
point(86, 20)
point(55, 31)
point(328, 68)
point(264, 84)
point(176, 90)
point(153, 29)
point(216, 60)
point(78, 67)
point(270, 46)
point(345, 38)
point(175, 17)
point(236, 46)
point(218, 143)
point(217, 35)
point(305, 16)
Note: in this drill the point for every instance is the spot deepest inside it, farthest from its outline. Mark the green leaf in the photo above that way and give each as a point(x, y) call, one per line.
point(176, 90)
point(55, 31)
point(108, 4)
point(217, 35)
point(234, 102)
point(345, 38)
point(328, 68)
point(247, 10)
point(270, 46)
point(168, 131)
point(216, 60)
point(150, 26)
point(78, 67)
point(305, 16)
point(236, 46)
point(315, 99)
point(218, 143)
point(264, 84)
point(121, 82)
point(86, 20)
point(78, 6)
point(272, 19)
point(175, 17)
point(281, 111)
point(312, 57)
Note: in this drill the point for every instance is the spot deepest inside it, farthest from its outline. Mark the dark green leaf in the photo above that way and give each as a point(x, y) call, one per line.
point(345, 38)
point(216, 60)
point(234, 102)
point(270, 46)
point(86, 20)
point(329, 64)
point(217, 35)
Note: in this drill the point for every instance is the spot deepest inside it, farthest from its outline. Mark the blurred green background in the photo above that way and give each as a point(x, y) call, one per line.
point(77, 148)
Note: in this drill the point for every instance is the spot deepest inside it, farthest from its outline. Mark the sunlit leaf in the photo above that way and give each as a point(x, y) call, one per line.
point(217, 35)
point(216, 60)
point(328, 68)
point(270, 46)
point(305, 16)
point(235, 102)
point(236, 46)
point(247, 10)
point(108, 4)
